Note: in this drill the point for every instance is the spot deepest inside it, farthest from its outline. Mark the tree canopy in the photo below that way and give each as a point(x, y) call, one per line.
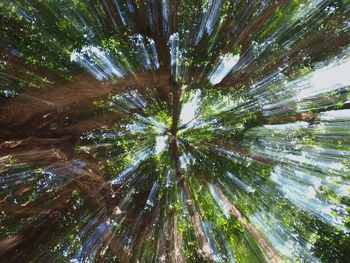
point(174, 131)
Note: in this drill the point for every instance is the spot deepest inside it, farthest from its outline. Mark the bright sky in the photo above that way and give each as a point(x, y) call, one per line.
point(161, 143)
point(226, 64)
point(188, 111)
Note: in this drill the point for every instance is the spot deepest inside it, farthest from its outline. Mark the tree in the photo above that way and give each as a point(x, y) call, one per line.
point(174, 131)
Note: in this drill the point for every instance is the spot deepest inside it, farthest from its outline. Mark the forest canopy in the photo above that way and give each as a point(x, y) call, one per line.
point(174, 131)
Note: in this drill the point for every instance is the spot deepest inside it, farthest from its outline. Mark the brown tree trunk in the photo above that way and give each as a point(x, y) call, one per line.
point(265, 245)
